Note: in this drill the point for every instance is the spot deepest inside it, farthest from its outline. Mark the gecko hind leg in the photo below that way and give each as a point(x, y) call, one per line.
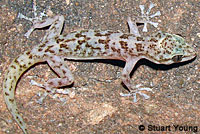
point(65, 78)
point(56, 23)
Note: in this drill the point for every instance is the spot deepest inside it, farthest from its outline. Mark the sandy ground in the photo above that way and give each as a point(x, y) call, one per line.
point(97, 106)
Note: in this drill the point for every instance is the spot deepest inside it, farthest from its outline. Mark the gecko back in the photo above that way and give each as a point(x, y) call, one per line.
point(160, 48)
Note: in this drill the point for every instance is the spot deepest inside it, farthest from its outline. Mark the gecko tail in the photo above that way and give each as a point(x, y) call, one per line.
point(15, 70)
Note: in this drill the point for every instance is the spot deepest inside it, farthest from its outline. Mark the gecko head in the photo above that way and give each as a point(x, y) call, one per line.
point(173, 49)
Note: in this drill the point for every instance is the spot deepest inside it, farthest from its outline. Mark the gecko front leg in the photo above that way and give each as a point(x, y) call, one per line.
point(134, 90)
point(130, 63)
point(133, 27)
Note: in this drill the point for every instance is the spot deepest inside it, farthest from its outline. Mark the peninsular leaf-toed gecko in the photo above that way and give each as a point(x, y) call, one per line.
point(160, 48)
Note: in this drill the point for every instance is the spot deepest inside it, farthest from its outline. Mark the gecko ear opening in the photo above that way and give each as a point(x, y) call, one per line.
point(177, 58)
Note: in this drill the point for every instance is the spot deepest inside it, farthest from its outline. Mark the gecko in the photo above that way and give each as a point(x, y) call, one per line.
point(159, 48)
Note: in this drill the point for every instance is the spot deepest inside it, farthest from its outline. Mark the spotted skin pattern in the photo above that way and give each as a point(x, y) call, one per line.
point(160, 48)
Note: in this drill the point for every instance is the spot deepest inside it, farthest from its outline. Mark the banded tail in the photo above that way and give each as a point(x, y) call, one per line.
point(15, 70)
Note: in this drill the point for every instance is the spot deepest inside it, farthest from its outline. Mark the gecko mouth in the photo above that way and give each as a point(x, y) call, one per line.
point(181, 58)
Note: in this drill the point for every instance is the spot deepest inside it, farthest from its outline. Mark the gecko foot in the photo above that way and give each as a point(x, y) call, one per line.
point(35, 20)
point(138, 90)
point(145, 17)
point(52, 91)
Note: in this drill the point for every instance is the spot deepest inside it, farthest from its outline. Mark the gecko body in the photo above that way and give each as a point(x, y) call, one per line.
point(160, 48)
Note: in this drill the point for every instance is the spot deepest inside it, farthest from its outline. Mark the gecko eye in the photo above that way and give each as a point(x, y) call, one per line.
point(177, 58)
point(179, 35)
